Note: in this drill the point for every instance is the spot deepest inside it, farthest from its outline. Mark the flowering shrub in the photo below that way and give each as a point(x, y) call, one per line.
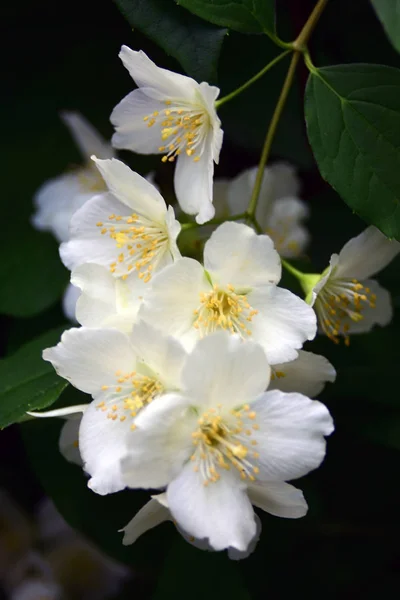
point(195, 353)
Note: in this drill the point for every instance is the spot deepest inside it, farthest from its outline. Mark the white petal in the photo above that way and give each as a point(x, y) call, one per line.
point(241, 555)
point(56, 201)
point(106, 301)
point(193, 184)
point(86, 137)
point(175, 294)
point(283, 180)
point(149, 516)
point(279, 499)
point(132, 130)
point(69, 438)
point(283, 323)
point(160, 444)
point(163, 355)
point(146, 74)
point(102, 444)
point(380, 315)
point(290, 439)
point(69, 301)
point(173, 228)
point(132, 189)
point(87, 243)
point(223, 370)
point(89, 358)
point(220, 512)
point(283, 224)
point(326, 276)
point(279, 180)
point(366, 254)
point(307, 374)
point(60, 412)
point(236, 255)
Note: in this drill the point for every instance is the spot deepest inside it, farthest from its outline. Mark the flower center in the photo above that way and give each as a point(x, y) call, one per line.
point(223, 309)
point(224, 442)
point(143, 241)
point(130, 394)
point(182, 129)
point(339, 304)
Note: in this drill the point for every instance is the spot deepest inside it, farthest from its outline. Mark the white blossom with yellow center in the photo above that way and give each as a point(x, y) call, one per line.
point(280, 211)
point(123, 374)
point(58, 199)
point(344, 297)
point(224, 443)
point(107, 301)
point(173, 115)
point(235, 291)
point(129, 229)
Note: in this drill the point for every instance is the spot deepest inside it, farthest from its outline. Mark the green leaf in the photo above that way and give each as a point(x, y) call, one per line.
point(388, 12)
point(182, 571)
point(97, 517)
point(195, 45)
point(27, 382)
point(353, 123)
point(247, 16)
point(32, 277)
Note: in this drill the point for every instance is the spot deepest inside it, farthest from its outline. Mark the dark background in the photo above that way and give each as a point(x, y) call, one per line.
point(65, 56)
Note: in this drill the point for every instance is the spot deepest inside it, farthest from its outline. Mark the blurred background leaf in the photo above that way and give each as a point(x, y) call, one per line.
point(388, 12)
point(247, 16)
point(195, 44)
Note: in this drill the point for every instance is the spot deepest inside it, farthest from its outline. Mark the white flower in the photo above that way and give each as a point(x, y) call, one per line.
point(344, 298)
point(122, 373)
point(127, 229)
point(280, 212)
point(236, 290)
point(307, 374)
point(173, 115)
point(104, 300)
point(156, 511)
point(69, 301)
point(58, 199)
point(222, 444)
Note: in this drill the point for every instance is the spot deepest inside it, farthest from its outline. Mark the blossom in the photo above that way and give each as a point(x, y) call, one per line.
point(173, 115)
point(58, 199)
point(156, 511)
point(123, 374)
point(307, 374)
point(105, 301)
point(128, 229)
point(280, 212)
point(223, 443)
point(344, 297)
point(235, 290)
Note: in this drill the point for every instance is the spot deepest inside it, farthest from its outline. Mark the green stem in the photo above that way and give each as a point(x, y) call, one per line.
point(304, 35)
point(298, 274)
point(271, 133)
point(250, 82)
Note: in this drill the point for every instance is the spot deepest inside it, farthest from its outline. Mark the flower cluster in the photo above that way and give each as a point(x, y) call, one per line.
point(200, 386)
